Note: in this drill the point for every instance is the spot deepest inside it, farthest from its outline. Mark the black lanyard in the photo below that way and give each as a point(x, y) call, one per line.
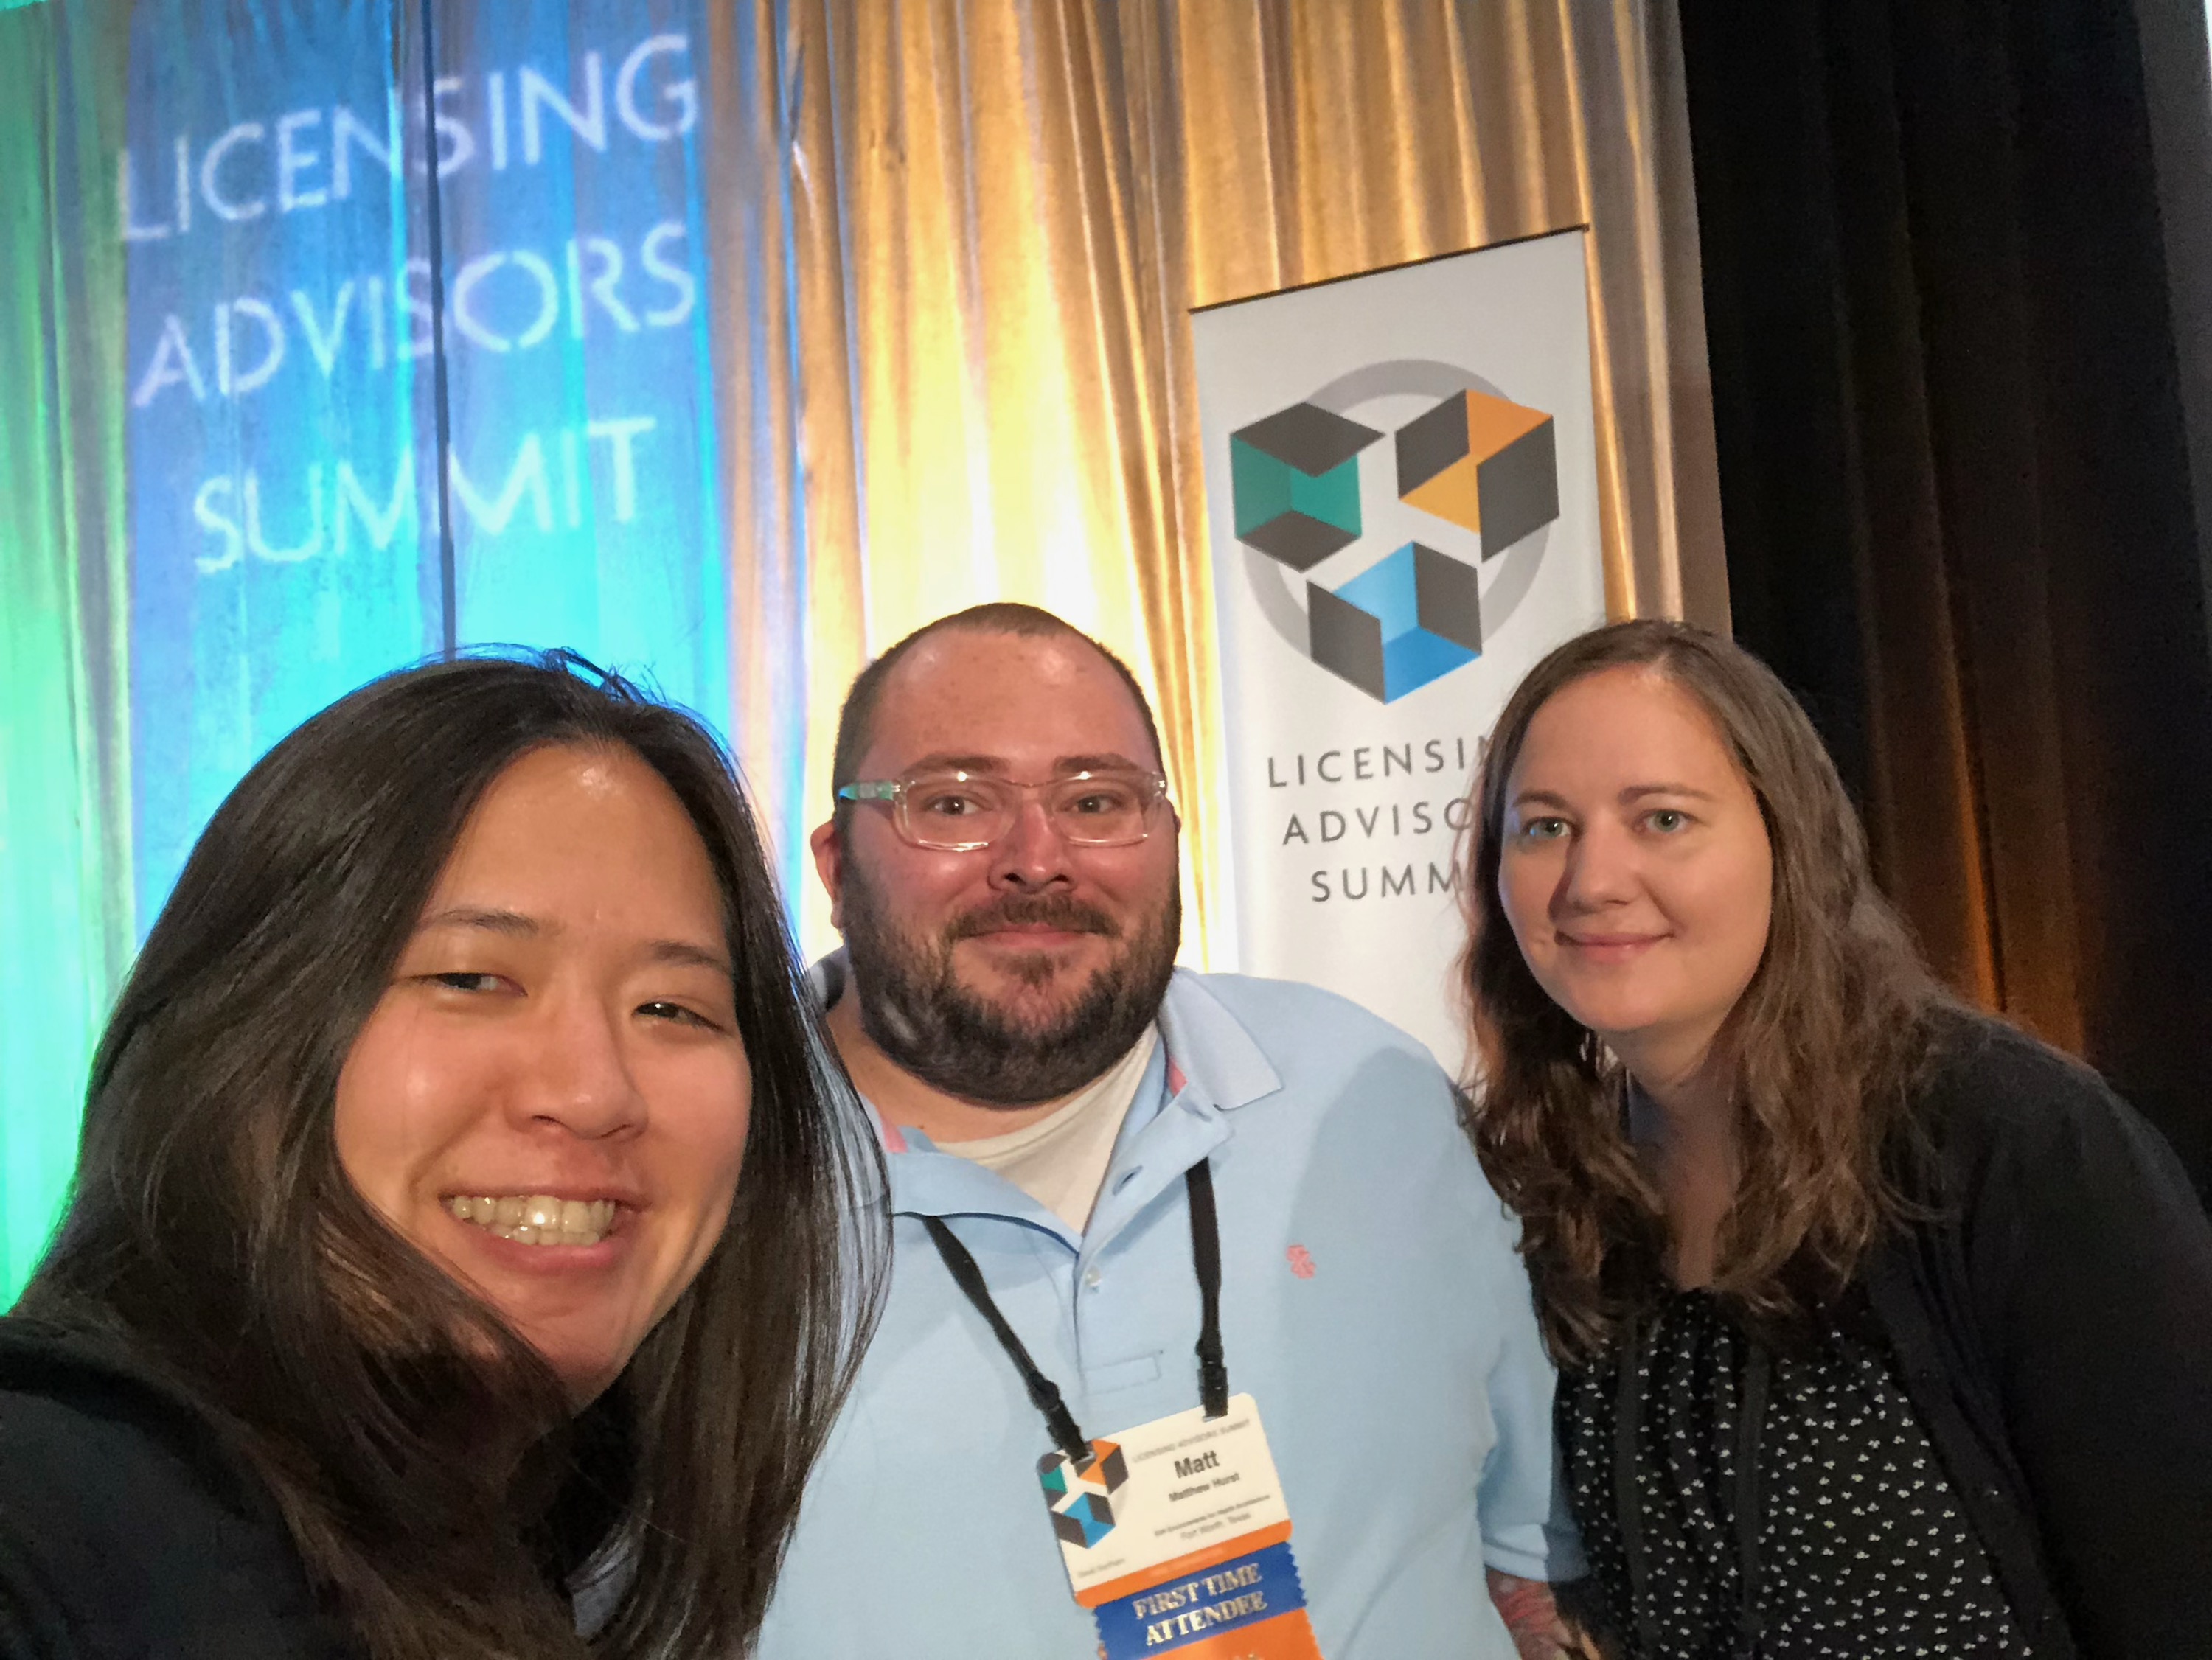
point(1044, 1394)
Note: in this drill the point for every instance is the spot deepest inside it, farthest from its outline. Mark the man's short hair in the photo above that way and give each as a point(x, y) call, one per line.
point(856, 720)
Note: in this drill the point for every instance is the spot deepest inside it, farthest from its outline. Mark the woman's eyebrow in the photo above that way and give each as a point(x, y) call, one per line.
point(683, 953)
point(511, 923)
point(516, 925)
point(1537, 798)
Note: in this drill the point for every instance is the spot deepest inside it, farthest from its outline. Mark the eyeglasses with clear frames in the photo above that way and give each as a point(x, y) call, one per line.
point(958, 812)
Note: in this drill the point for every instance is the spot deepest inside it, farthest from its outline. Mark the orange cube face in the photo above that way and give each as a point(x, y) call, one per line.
point(1483, 462)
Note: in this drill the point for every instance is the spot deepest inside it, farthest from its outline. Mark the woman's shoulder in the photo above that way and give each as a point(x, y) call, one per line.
point(2001, 1104)
point(77, 1405)
point(126, 1516)
point(1985, 1077)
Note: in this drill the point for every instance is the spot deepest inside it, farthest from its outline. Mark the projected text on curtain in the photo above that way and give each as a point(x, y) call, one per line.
point(289, 468)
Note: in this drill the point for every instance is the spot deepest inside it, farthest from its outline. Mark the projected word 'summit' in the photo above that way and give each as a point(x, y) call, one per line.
point(543, 489)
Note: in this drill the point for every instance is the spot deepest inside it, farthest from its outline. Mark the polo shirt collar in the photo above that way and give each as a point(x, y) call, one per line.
point(1207, 1062)
point(927, 1182)
point(1211, 1057)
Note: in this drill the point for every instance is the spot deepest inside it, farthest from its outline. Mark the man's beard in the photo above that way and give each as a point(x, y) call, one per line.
point(916, 1011)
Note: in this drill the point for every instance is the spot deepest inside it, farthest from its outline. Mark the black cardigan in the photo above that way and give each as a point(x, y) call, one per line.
point(2053, 1326)
point(126, 1529)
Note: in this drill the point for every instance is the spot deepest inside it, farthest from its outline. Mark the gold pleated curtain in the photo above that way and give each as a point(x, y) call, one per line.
point(968, 374)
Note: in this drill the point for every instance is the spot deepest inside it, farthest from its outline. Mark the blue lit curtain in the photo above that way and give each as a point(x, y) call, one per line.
point(317, 491)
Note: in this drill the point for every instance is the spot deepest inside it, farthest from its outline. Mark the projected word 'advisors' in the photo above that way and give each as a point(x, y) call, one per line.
point(511, 300)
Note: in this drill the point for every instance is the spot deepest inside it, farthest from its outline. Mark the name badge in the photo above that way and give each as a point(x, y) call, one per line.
point(1177, 1539)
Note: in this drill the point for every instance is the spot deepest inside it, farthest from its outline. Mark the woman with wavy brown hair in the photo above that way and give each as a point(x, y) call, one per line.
point(1879, 1325)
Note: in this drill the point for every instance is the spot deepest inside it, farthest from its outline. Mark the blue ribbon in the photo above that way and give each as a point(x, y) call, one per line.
point(1180, 1612)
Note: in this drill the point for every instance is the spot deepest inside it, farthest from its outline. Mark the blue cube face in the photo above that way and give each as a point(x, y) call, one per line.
point(1387, 591)
point(1085, 1523)
point(1418, 657)
point(1401, 623)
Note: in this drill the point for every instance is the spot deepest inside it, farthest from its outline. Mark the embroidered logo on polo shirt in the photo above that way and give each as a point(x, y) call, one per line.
point(1302, 1261)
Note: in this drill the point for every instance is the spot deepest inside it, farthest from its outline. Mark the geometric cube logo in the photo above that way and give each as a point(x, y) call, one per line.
point(1295, 476)
point(1475, 460)
point(1080, 1496)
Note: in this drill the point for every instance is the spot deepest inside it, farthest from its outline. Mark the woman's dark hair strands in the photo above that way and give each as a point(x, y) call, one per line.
point(1822, 1047)
point(212, 1229)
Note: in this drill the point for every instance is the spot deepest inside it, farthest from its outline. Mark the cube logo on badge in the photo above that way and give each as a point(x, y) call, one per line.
point(1080, 1496)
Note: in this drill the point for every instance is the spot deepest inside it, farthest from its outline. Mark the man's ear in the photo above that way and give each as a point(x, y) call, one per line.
point(829, 864)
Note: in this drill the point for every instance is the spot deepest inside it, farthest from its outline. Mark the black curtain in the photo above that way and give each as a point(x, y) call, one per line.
point(1955, 490)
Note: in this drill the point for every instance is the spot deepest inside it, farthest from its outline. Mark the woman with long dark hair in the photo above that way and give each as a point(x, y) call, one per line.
point(465, 1209)
point(1881, 1327)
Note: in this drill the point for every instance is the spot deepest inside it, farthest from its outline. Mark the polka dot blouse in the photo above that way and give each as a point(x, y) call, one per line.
point(1827, 1496)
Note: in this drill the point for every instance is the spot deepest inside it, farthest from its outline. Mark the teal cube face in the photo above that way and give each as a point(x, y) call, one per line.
point(1332, 497)
point(1394, 627)
point(1260, 484)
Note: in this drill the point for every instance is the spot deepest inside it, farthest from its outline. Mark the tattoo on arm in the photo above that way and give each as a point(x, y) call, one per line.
point(1526, 1607)
point(1530, 1609)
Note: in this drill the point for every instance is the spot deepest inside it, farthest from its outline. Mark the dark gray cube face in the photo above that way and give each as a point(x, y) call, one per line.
point(1519, 487)
point(1113, 1469)
point(1430, 443)
point(1308, 436)
point(1299, 540)
point(1449, 597)
point(1346, 640)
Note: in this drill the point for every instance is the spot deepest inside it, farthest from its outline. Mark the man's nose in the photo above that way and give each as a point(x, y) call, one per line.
point(1031, 853)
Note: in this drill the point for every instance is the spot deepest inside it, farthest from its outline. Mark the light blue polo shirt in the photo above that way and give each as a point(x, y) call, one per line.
point(1372, 1304)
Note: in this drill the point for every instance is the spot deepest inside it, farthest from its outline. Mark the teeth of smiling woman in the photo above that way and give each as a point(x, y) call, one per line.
point(538, 1220)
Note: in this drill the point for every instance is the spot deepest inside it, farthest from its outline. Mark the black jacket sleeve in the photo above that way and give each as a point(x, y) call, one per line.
point(2089, 1263)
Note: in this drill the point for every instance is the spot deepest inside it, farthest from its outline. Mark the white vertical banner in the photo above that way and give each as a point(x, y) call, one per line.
point(1401, 481)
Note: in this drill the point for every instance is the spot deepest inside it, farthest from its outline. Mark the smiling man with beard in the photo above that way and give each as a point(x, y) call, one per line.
point(918, 1013)
point(1083, 1142)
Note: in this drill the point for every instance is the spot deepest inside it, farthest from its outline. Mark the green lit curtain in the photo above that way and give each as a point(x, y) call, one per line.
point(66, 923)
